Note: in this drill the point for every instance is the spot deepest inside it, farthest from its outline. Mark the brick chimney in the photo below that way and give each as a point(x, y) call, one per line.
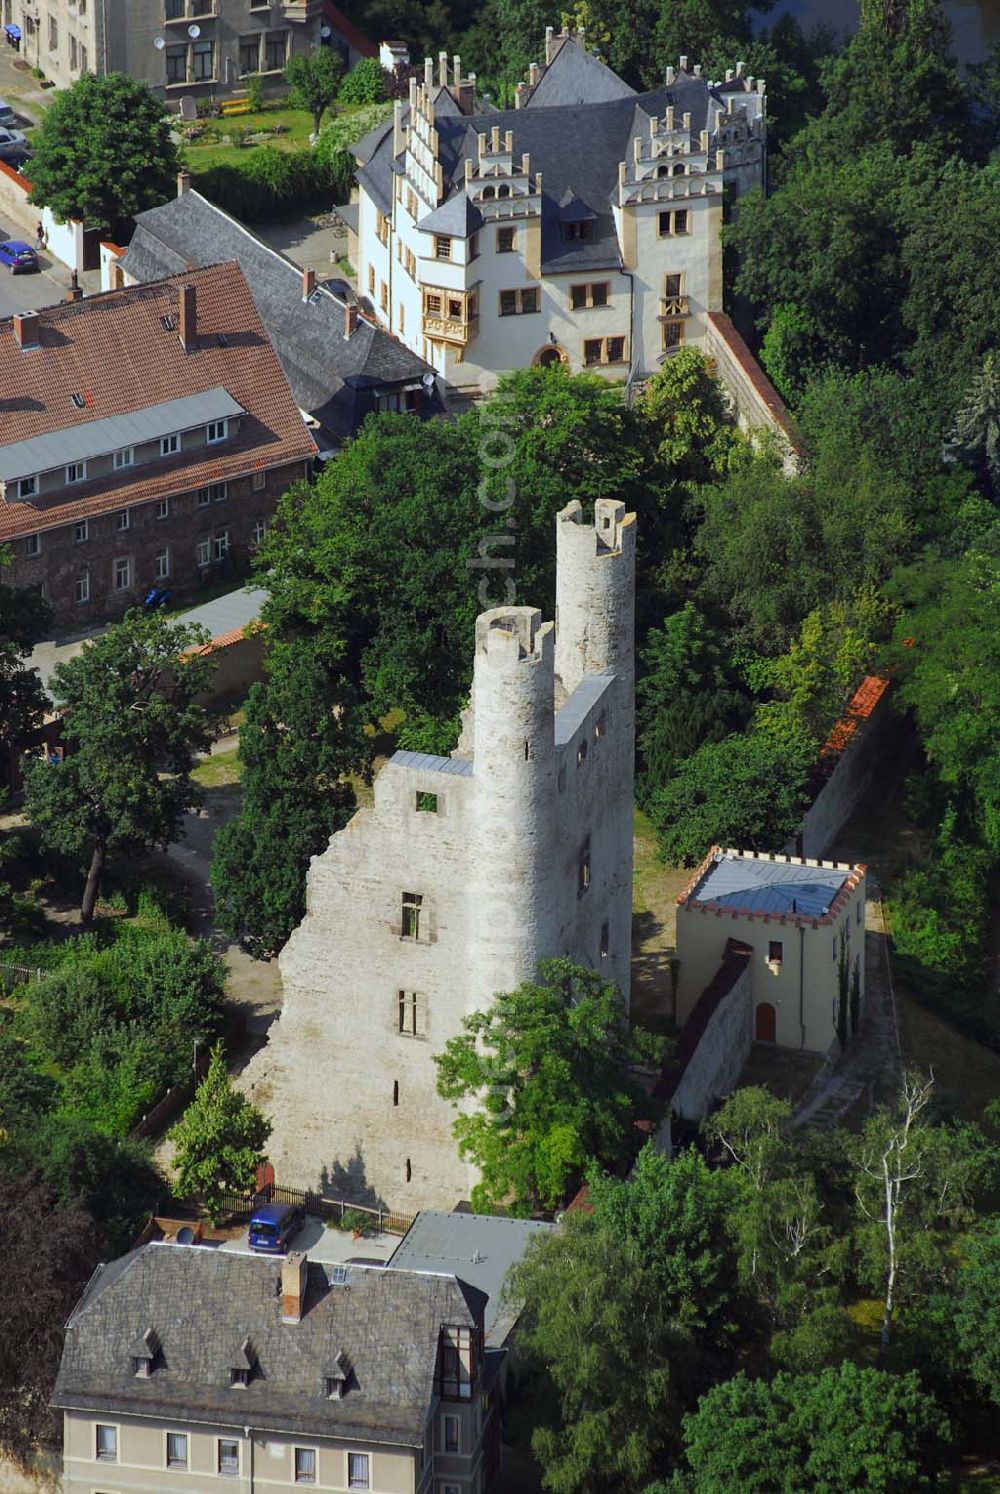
point(183, 182)
point(26, 329)
point(294, 1275)
point(74, 293)
point(188, 330)
point(308, 283)
point(350, 320)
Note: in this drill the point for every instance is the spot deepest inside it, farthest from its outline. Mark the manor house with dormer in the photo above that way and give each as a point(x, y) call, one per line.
point(581, 227)
point(465, 873)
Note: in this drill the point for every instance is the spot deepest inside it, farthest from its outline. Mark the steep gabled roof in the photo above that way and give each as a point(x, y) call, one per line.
point(119, 353)
point(576, 76)
point(325, 369)
point(205, 1303)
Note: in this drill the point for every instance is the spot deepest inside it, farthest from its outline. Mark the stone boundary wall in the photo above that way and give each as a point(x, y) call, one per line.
point(847, 765)
point(758, 405)
point(714, 1044)
point(64, 240)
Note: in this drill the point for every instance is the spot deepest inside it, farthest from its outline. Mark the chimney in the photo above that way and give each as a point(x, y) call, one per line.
point(294, 1275)
point(183, 182)
point(350, 320)
point(456, 63)
point(398, 138)
point(741, 68)
point(670, 76)
point(188, 317)
point(74, 293)
point(495, 140)
point(534, 73)
point(550, 36)
point(443, 69)
point(467, 94)
point(696, 70)
point(729, 75)
point(428, 72)
point(26, 329)
point(508, 142)
point(117, 277)
point(519, 93)
point(308, 283)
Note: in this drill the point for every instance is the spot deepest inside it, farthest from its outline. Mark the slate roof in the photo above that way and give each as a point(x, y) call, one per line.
point(205, 1303)
point(480, 1248)
point(115, 350)
point(578, 157)
point(328, 373)
point(101, 437)
point(424, 762)
point(576, 76)
point(751, 884)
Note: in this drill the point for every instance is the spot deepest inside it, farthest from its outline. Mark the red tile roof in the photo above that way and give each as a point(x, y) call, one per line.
point(114, 350)
point(762, 385)
point(861, 705)
point(349, 31)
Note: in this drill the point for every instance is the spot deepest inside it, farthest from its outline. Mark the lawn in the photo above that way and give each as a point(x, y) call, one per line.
point(219, 770)
point(221, 137)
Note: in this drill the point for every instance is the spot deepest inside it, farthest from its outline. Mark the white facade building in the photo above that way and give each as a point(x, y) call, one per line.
point(465, 873)
point(581, 227)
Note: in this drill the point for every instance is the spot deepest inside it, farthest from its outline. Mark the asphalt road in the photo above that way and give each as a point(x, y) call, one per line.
point(29, 292)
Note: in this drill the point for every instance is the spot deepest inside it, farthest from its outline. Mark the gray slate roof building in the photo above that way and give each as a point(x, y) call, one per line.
point(204, 1305)
point(333, 377)
point(480, 1248)
point(577, 155)
point(733, 881)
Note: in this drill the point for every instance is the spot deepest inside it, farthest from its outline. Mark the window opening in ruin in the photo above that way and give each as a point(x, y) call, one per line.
point(583, 868)
point(527, 750)
point(395, 1091)
point(581, 753)
point(599, 728)
point(775, 950)
point(411, 914)
point(409, 1170)
point(605, 941)
point(427, 803)
point(410, 1016)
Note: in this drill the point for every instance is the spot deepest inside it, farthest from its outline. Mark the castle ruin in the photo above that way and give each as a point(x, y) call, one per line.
point(464, 874)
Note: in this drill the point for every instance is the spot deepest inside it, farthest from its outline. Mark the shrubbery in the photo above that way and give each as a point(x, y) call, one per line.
point(365, 83)
point(266, 182)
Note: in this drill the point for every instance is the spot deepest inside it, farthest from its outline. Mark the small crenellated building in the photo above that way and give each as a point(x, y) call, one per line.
point(464, 874)
point(800, 923)
point(581, 227)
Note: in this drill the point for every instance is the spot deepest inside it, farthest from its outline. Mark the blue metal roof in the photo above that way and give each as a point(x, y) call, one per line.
point(237, 609)
point(574, 713)
point(458, 767)
point(760, 886)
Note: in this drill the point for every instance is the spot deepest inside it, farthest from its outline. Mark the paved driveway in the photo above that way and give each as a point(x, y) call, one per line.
point(30, 292)
point(331, 1246)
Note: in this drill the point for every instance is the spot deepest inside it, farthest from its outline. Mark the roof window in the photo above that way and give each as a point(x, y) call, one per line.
point(144, 1353)
point(243, 1365)
point(336, 1377)
point(168, 323)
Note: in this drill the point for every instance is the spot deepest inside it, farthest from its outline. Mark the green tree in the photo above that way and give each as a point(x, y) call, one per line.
point(103, 152)
point(947, 650)
point(219, 1140)
point(49, 1252)
point(911, 1180)
point(24, 616)
point(314, 80)
point(690, 426)
point(977, 428)
point(844, 1429)
point(547, 1068)
point(748, 790)
point(972, 1310)
point(600, 1345)
point(300, 737)
point(685, 697)
point(132, 728)
point(364, 84)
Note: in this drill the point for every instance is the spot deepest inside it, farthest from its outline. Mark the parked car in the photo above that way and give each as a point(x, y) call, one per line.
point(156, 598)
point(272, 1226)
point(12, 143)
point(19, 257)
point(8, 118)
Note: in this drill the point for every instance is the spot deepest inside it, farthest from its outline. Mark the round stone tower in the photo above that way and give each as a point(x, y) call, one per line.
point(514, 772)
point(595, 595)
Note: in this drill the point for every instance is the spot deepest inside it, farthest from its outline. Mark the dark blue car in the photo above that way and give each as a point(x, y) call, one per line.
point(272, 1226)
point(18, 257)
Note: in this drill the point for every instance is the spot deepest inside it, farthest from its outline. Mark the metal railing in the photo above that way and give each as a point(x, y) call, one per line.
point(382, 1220)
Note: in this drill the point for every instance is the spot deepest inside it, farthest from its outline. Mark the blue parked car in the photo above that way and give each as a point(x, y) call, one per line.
point(19, 257)
point(272, 1226)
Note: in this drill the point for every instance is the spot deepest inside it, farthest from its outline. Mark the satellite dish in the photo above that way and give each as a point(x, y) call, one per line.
point(194, 32)
point(428, 381)
point(185, 1236)
point(159, 42)
point(326, 32)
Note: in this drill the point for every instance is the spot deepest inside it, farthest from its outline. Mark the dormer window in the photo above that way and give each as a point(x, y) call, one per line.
point(76, 472)
point(216, 431)
point(144, 1353)
point(243, 1365)
point(572, 232)
point(27, 487)
point(336, 1378)
point(170, 445)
